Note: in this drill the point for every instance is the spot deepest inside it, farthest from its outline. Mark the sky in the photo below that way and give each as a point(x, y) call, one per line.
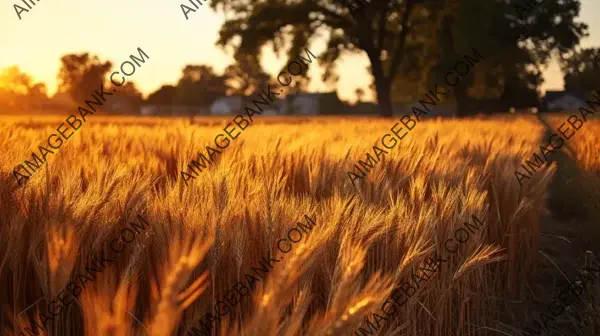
point(114, 29)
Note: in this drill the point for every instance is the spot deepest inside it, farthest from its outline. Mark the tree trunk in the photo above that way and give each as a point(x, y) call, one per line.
point(462, 101)
point(384, 100)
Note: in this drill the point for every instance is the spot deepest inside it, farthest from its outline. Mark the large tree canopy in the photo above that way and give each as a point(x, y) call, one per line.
point(412, 37)
point(582, 70)
point(517, 39)
point(245, 76)
point(81, 74)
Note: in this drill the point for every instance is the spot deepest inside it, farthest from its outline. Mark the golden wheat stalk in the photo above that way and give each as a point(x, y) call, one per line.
point(174, 296)
point(62, 253)
point(483, 255)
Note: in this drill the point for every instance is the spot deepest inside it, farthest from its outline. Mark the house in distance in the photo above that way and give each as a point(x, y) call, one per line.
point(562, 101)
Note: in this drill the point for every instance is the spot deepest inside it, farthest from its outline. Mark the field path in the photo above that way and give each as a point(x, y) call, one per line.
point(567, 235)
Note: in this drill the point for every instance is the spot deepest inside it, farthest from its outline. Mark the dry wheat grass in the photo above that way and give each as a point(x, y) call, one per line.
point(366, 240)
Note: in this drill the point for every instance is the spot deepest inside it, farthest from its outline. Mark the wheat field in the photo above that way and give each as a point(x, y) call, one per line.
point(204, 237)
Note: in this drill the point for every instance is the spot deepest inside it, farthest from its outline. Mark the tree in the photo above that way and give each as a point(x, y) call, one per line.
point(13, 80)
point(166, 95)
point(199, 85)
point(582, 70)
point(517, 40)
point(514, 43)
point(383, 29)
point(81, 74)
point(17, 90)
point(398, 35)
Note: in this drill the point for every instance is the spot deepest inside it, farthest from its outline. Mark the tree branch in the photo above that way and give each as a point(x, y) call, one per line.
point(382, 23)
point(344, 22)
point(401, 42)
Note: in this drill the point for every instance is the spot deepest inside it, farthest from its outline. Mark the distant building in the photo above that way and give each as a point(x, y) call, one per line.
point(301, 104)
point(172, 110)
point(298, 104)
point(311, 104)
point(227, 105)
point(562, 100)
point(122, 104)
point(446, 110)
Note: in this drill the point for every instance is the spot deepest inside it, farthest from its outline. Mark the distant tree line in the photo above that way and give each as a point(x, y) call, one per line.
point(80, 74)
point(513, 79)
point(18, 91)
point(411, 43)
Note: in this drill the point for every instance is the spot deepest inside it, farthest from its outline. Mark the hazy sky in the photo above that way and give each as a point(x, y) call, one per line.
point(114, 29)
